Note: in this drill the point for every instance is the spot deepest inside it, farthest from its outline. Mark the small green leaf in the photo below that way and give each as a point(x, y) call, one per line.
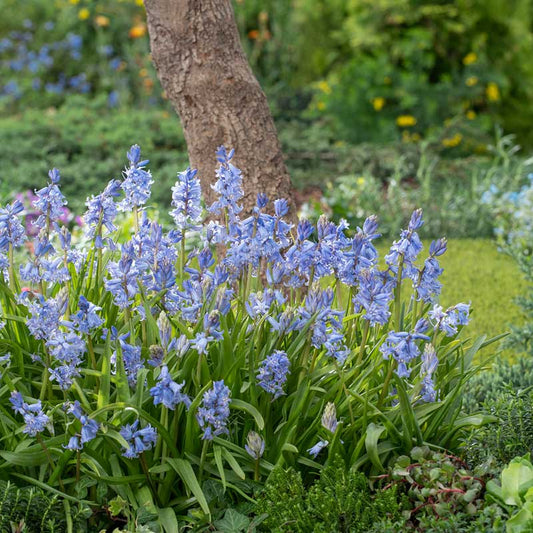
point(233, 522)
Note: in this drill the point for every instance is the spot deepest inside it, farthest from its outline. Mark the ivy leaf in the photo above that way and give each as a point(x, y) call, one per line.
point(233, 522)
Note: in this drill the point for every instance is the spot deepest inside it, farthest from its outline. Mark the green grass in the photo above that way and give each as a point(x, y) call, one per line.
point(475, 271)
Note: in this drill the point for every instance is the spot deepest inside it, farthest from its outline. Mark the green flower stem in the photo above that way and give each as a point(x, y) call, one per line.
point(205, 445)
point(398, 294)
point(385, 388)
point(256, 470)
point(144, 467)
point(363, 343)
point(50, 460)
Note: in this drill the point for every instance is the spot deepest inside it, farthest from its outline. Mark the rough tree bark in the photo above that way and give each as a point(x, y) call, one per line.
point(204, 71)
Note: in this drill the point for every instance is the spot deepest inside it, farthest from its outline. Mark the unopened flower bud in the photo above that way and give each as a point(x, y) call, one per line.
point(329, 417)
point(255, 445)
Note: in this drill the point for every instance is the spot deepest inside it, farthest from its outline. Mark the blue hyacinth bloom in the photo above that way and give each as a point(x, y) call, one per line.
point(167, 392)
point(33, 414)
point(214, 412)
point(317, 448)
point(186, 201)
point(139, 440)
point(137, 182)
point(273, 373)
point(89, 427)
point(11, 229)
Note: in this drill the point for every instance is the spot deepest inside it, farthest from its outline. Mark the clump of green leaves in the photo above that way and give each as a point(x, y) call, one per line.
point(515, 493)
point(511, 435)
point(30, 510)
point(436, 485)
point(340, 501)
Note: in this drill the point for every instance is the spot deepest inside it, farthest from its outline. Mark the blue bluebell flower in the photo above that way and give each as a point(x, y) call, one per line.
point(101, 213)
point(131, 357)
point(11, 229)
point(50, 201)
point(34, 417)
point(403, 348)
point(273, 372)
point(406, 249)
point(123, 281)
point(89, 427)
point(449, 320)
point(137, 182)
point(317, 448)
point(214, 412)
point(427, 369)
point(186, 201)
point(228, 186)
point(168, 392)
point(426, 283)
point(86, 319)
point(374, 297)
point(138, 440)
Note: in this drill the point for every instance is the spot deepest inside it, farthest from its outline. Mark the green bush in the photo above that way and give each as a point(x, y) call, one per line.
point(30, 508)
point(340, 501)
point(82, 138)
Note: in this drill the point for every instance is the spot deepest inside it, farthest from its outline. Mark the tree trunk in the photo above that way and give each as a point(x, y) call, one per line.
point(204, 71)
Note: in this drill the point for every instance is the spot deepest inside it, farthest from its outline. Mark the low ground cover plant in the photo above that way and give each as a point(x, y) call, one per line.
point(138, 366)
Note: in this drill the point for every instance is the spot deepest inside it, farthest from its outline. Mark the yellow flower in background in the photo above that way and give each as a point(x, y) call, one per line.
point(139, 30)
point(360, 181)
point(143, 73)
point(471, 81)
point(469, 59)
point(74, 2)
point(84, 14)
point(493, 92)
point(378, 103)
point(324, 86)
point(404, 121)
point(470, 114)
point(139, 2)
point(101, 21)
point(321, 106)
point(451, 142)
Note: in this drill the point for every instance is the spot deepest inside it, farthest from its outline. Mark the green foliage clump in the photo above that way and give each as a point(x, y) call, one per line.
point(30, 509)
point(340, 501)
point(510, 435)
point(82, 138)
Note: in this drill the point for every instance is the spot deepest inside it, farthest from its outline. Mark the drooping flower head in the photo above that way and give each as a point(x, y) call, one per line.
point(214, 412)
point(273, 373)
point(139, 440)
point(228, 185)
point(50, 201)
point(167, 392)
point(186, 201)
point(89, 427)
point(137, 181)
point(11, 229)
point(101, 213)
point(33, 414)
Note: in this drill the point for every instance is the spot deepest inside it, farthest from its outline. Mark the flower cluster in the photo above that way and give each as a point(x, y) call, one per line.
point(33, 414)
point(213, 414)
point(288, 324)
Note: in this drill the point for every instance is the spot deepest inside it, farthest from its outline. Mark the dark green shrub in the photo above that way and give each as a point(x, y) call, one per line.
point(340, 501)
point(504, 378)
point(29, 506)
point(510, 436)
